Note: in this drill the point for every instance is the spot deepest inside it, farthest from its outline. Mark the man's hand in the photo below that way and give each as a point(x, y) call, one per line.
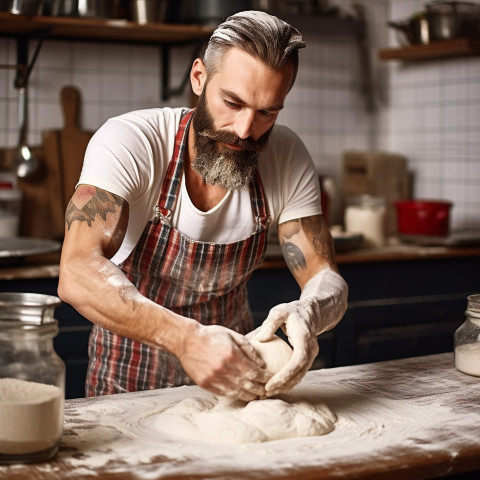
point(223, 362)
point(296, 324)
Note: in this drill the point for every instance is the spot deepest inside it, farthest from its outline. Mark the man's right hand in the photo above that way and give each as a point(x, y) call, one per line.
point(224, 362)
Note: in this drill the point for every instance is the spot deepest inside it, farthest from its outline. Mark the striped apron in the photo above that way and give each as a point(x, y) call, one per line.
point(199, 280)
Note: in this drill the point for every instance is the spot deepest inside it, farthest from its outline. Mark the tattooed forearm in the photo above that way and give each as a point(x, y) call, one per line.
point(100, 204)
point(294, 257)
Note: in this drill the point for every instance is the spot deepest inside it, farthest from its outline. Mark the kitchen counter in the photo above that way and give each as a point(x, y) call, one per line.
point(412, 418)
point(389, 253)
point(47, 266)
point(34, 266)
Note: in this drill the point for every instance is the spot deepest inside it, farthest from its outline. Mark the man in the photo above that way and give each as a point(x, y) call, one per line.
point(171, 217)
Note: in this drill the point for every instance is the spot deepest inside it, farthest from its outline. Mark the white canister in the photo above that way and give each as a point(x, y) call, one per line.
point(366, 214)
point(10, 206)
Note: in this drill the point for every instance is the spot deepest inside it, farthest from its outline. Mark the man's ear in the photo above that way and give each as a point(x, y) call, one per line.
point(198, 76)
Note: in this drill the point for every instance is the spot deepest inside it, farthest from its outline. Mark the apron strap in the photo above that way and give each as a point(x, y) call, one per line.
point(168, 195)
point(259, 200)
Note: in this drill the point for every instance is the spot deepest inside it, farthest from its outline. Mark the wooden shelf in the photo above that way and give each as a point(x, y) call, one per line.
point(446, 48)
point(98, 29)
point(26, 28)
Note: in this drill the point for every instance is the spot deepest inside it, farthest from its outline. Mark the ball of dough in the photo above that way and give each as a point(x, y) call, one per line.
point(275, 353)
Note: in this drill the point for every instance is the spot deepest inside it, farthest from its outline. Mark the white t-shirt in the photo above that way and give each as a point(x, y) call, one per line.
point(129, 154)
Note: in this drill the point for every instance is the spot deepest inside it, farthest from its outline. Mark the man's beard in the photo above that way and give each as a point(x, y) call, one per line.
point(218, 164)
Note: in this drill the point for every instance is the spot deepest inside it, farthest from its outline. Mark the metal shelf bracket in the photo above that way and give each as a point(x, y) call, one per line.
point(167, 91)
point(24, 67)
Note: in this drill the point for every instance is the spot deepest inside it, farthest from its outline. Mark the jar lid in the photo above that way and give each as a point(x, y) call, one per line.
point(366, 201)
point(473, 305)
point(29, 308)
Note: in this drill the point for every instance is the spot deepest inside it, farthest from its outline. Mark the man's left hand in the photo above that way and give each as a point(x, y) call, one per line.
point(294, 321)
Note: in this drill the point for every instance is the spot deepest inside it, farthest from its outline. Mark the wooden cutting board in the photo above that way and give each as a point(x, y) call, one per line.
point(73, 141)
point(64, 151)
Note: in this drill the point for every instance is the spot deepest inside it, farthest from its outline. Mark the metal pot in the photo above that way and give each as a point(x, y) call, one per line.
point(148, 11)
point(205, 12)
point(413, 30)
point(85, 8)
point(447, 19)
point(26, 7)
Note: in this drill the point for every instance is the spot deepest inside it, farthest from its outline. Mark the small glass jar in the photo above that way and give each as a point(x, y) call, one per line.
point(366, 214)
point(32, 379)
point(467, 339)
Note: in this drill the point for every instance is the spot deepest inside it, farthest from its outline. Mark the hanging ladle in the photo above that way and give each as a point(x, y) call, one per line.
point(25, 161)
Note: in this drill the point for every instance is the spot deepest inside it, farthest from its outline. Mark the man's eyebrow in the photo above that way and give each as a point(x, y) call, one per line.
point(237, 99)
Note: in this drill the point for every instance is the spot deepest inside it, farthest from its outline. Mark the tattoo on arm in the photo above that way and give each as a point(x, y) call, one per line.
point(294, 257)
point(321, 241)
point(101, 204)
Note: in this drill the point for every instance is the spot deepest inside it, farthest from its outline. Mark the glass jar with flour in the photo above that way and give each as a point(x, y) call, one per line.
point(467, 339)
point(366, 214)
point(32, 379)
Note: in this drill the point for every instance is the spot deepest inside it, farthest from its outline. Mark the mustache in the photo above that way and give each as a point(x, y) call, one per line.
point(233, 139)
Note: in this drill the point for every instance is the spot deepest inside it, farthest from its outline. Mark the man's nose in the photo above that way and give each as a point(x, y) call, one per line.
point(244, 123)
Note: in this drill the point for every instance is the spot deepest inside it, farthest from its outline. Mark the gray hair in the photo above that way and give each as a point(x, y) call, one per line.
point(265, 37)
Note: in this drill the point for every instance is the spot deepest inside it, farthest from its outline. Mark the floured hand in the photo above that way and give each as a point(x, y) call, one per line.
point(302, 337)
point(322, 303)
point(224, 362)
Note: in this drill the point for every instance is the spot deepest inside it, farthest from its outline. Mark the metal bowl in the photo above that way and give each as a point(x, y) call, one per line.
point(447, 19)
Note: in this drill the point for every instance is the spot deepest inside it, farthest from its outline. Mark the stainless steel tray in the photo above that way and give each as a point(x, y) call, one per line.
point(15, 249)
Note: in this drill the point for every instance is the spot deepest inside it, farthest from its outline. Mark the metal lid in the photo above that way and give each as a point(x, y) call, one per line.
point(368, 201)
point(28, 308)
point(473, 306)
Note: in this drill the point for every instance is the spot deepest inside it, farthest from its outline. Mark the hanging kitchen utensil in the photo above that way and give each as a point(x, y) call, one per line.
point(25, 161)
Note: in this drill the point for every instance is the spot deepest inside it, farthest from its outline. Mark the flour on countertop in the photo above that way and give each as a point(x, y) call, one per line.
point(383, 413)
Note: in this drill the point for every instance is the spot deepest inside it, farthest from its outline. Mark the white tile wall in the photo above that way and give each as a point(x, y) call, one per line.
point(434, 119)
point(428, 111)
point(112, 79)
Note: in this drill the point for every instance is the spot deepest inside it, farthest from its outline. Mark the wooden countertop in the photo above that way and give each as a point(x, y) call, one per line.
point(390, 253)
point(412, 418)
point(35, 266)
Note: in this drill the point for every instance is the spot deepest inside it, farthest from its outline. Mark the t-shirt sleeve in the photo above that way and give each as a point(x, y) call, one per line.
point(111, 160)
point(297, 180)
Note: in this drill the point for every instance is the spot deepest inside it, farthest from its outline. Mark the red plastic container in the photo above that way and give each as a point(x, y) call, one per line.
point(423, 217)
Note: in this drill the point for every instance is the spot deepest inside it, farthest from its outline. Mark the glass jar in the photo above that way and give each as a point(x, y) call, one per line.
point(467, 339)
point(366, 214)
point(32, 379)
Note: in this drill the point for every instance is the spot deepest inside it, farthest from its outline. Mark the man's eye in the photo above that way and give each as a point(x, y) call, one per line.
point(266, 113)
point(231, 104)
